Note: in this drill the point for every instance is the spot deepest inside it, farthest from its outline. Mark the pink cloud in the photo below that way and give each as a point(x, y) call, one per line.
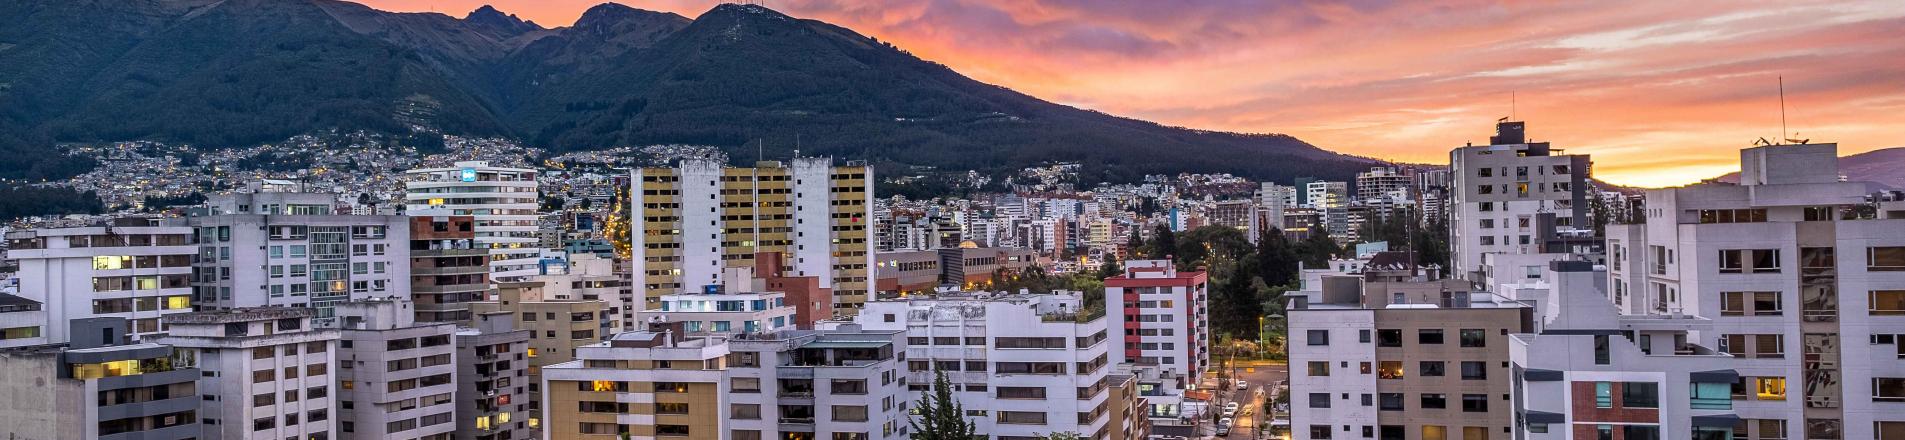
point(1660, 92)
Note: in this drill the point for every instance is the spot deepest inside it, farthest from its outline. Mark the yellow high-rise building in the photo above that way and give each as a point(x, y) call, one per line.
point(700, 217)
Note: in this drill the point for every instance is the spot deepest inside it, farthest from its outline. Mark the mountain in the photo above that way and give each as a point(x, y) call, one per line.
point(242, 72)
point(1885, 167)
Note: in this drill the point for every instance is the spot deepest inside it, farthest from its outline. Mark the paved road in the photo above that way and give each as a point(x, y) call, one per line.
point(1262, 379)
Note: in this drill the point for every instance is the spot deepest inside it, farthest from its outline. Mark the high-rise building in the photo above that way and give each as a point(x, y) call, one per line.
point(1166, 329)
point(844, 383)
point(1498, 189)
point(503, 201)
point(1799, 272)
point(1388, 353)
point(402, 373)
point(492, 382)
point(448, 268)
point(1033, 363)
point(1272, 201)
point(99, 386)
point(280, 250)
point(130, 269)
point(1331, 202)
point(268, 372)
point(1380, 182)
point(700, 217)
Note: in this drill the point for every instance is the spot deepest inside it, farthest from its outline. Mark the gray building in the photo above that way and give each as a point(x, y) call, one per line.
point(279, 250)
point(492, 379)
point(100, 386)
point(1498, 190)
point(847, 382)
point(401, 374)
point(266, 374)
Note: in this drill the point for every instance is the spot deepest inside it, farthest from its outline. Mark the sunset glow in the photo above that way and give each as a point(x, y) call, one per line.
point(1660, 93)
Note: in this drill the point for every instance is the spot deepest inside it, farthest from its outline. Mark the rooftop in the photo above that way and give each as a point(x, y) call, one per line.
point(240, 315)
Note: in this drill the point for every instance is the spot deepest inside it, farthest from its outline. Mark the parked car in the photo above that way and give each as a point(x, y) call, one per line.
point(1241, 385)
point(1225, 422)
point(1223, 430)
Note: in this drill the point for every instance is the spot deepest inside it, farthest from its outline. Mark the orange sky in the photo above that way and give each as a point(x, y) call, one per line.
point(1659, 92)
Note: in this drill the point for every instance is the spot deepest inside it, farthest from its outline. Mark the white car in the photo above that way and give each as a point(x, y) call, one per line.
point(1241, 385)
point(1224, 422)
point(1232, 406)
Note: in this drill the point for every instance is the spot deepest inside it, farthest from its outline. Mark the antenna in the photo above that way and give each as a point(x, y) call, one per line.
point(1782, 107)
point(1511, 106)
point(760, 150)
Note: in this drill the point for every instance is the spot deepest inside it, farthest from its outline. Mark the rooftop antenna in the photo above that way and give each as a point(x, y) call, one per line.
point(1782, 107)
point(1511, 106)
point(760, 150)
point(796, 145)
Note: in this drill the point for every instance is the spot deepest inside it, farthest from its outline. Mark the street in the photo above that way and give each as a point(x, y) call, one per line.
point(1262, 378)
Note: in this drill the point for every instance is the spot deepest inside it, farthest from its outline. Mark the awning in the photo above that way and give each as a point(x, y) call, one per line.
point(1542, 418)
point(1536, 375)
point(1715, 376)
point(1719, 421)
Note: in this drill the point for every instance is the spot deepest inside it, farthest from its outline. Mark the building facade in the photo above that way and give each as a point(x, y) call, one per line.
point(396, 376)
point(502, 200)
point(1165, 329)
point(99, 385)
point(266, 372)
point(492, 379)
point(1496, 191)
point(133, 269)
point(701, 217)
point(297, 260)
point(448, 268)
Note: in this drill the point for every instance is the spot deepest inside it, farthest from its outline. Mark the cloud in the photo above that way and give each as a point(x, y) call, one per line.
point(1659, 92)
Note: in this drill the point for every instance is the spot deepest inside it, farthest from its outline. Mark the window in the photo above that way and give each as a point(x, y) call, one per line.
point(1362, 336)
point(1887, 302)
point(849, 413)
point(1750, 304)
point(1020, 417)
point(1474, 370)
point(1321, 432)
point(671, 408)
point(1602, 353)
point(1749, 261)
point(1768, 388)
point(1389, 402)
point(1433, 368)
point(1319, 400)
point(1711, 395)
point(1021, 392)
point(1640, 395)
point(671, 430)
point(1389, 338)
point(1435, 401)
point(1389, 370)
point(1732, 216)
point(1319, 368)
point(1474, 338)
point(1640, 432)
point(1888, 389)
point(1885, 259)
point(1430, 336)
point(1319, 337)
point(1474, 403)
point(1603, 394)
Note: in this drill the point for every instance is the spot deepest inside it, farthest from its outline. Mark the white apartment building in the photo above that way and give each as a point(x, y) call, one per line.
point(1803, 277)
point(503, 200)
point(1026, 365)
point(1272, 201)
point(267, 373)
point(1498, 189)
point(1381, 182)
point(396, 376)
point(133, 270)
point(1331, 200)
point(1165, 330)
point(1647, 376)
point(296, 260)
point(842, 383)
point(492, 398)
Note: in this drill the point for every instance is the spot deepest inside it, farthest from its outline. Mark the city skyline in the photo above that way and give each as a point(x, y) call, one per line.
point(1660, 94)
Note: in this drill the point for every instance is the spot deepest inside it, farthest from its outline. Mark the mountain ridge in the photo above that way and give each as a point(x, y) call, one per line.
point(740, 77)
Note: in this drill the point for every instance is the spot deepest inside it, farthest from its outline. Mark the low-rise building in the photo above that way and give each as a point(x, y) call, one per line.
point(843, 382)
point(130, 268)
point(104, 388)
point(646, 384)
point(396, 376)
point(492, 379)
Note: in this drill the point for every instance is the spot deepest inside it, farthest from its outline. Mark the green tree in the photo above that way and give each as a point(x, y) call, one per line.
point(940, 416)
point(1276, 259)
point(1210, 243)
point(1134, 248)
point(1316, 250)
point(1109, 269)
point(1163, 243)
point(1235, 306)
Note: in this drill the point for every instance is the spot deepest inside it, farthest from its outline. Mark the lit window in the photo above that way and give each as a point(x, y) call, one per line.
point(1770, 388)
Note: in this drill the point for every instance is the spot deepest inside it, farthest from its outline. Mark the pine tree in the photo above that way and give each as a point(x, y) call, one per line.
point(940, 416)
point(1134, 249)
point(1276, 261)
point(1163, 243)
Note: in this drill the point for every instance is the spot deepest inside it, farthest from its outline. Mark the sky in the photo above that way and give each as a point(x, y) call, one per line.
point(1659, 92)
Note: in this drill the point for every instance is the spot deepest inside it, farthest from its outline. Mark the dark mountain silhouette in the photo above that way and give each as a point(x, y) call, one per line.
point(242, 72)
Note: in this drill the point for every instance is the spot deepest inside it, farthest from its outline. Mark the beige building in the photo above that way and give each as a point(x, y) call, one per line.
point(643, 385)
point(702, 216)
point(556, 327)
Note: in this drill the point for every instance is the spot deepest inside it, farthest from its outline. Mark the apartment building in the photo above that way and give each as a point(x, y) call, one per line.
point(841, 383)
point(1272, 201)
point(130, 268)
point(396, 376)
point(1803, 276)
point(266, 372)
point(970, 268)
point(590, 278)
point(556, 328)
point(1591, 372)
point(502, 200)
point(1497, 190)
point(448, 268)
point(1026, 365)
point(741, 304)
point(1391, 354)
point(701, 216)
point(312, 259)
point(1382, 182)
point(492, 396)
point(1164, 329)
point(647, 384)
point(99, 385)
